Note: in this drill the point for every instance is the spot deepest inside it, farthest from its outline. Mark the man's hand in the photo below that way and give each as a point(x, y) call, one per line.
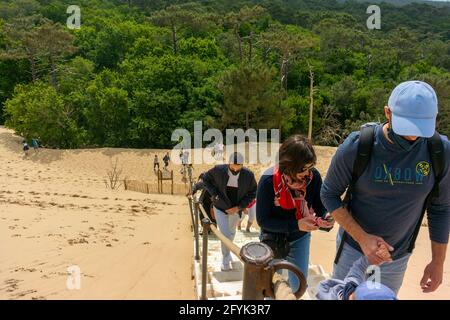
point(308, 224)
point(370, 245)
point(432, 277)
point(233, 210)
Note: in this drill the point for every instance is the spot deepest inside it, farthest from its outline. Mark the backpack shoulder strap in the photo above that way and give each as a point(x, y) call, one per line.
point(364, 152)
point(436, 150)
point(365, 146)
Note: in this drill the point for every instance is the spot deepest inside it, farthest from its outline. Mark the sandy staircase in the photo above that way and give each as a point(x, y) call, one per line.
point(228, 285)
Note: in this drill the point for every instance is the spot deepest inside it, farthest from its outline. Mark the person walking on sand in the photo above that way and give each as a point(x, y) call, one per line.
point(166, 160)
point(232, 188)
point(155, 162)
point(35, 144)
point(25, 147)
point(394, 172)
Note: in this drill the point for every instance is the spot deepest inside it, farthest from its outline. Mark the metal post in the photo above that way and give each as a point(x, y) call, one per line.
point(191, 210)
point(171, 176)
point(197, 255)
point(256, 257)
point(206, 224)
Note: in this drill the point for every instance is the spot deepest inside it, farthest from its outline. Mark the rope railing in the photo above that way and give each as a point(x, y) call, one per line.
point(260, 269)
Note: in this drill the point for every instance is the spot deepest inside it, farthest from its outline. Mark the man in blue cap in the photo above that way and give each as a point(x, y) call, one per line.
point(403, 172)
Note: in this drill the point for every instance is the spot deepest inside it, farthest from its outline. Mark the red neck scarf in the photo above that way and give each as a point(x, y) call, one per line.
point(290, 198)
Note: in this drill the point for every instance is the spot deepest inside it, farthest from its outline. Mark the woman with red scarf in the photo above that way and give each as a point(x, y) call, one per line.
point(288, 204)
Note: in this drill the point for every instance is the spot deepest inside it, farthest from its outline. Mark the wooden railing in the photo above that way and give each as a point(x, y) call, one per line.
point(260, 269)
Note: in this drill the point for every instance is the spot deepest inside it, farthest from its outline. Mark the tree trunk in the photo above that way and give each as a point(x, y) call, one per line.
point(174, 39)
point(53, 76)
point(246, 121)
point(241, 56)
point(33, 68)
point(311, 105)
point(250, 49)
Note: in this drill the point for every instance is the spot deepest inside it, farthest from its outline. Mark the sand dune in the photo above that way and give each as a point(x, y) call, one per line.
point(55, 212)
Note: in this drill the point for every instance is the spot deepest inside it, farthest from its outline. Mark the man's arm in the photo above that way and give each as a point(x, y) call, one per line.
point(434, 271)
point(338, 179)
point(208, 181)
point(369, 243)
point(439, 227)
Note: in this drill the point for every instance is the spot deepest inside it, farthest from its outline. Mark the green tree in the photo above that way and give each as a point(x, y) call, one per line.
point(37, 111)
point(250, 98)
point(107, 110)
point(54, 44)
point(179, 17)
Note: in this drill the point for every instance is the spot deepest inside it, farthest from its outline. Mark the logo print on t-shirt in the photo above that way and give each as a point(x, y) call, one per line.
point(423, 168)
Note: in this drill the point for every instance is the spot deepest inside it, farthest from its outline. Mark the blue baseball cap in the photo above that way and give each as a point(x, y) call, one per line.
point(414, 108)
point(369, 290)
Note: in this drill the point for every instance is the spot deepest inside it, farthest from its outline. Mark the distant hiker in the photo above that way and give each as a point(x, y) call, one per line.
point(155, 162)
point(166, 160)
point(26, 147)
point(185, 158)
point(354, 286)
point(232, 188)
point(35, 144)
point(181, 155)
point(288, 205)
point(250, 211)
point(394, 172)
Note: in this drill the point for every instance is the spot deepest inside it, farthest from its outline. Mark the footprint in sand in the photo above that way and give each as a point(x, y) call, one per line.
point(25, 269)
point(12, 284)
point(77, 241)
point(24, 293)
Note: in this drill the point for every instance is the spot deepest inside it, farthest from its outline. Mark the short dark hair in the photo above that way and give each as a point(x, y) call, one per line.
point(294, 154)
point(236, 158)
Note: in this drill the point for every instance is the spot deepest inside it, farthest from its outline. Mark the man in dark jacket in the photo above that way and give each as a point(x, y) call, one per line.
point(232, 188)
